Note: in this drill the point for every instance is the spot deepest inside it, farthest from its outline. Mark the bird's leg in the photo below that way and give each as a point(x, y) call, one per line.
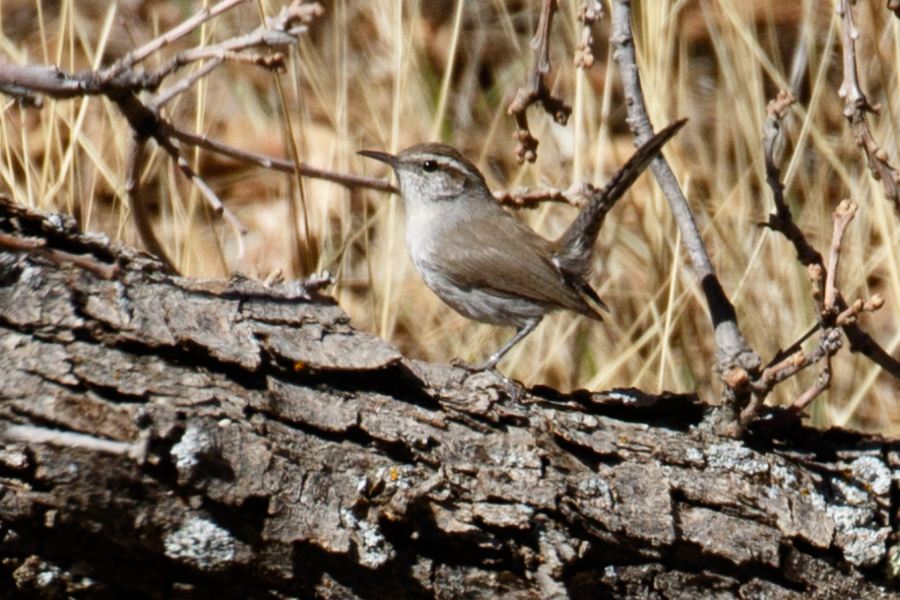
point(491, 363)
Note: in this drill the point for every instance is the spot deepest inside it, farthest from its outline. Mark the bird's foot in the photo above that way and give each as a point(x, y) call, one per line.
point(461, 364)
point(512, 387)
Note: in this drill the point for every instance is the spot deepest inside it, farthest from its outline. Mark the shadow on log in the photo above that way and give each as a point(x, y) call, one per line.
point(165, 437)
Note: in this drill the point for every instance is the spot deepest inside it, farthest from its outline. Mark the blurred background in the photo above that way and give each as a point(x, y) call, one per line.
point(386, 74)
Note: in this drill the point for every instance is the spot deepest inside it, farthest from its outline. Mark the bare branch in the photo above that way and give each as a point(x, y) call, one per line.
point(782, 220)
point(24, 96)
point(121, 84)
point(576, 195)
point(277, 32)
point(347, 180)
point(828, 345)
point(48, 80)
point(831, 307)
point(536, 90)
point(793, 348)
point(831, 339)
point(784, 369)
point(734, 355)
point(171, 36)
point(862, 342)
point(857, 106)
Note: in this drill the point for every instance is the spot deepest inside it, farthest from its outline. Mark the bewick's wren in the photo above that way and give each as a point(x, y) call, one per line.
point(486, 264)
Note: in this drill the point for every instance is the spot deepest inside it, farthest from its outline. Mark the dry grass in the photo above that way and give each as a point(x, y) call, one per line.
point(370, 75)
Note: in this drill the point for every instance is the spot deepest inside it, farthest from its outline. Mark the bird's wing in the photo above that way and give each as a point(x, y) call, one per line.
point(509, 260)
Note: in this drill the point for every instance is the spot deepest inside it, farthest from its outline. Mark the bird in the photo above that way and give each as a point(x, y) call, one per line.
point(488, 265)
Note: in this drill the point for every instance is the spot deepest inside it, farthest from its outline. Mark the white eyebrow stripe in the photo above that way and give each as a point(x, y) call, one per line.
point(444, 163)
point(441, 160)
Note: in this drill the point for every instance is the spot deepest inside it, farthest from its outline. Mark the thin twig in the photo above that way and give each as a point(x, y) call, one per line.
point(590, 12)
point(121, 84)
point(823, 284)
point(166, 95)
point(600, 200)
point(831, 308)
point(822, 383)
point(278, 32)
point(782, 220)
point(134, 163)
point(816, 275)
point(781, 355)
point(132, 58)
point(828, 345)
point(208, 194)
point(835, 319)
point(843, 214)
point(784, 369)
point(536, 89)
point(347, 180)
point(849, 315)
point(145, 124)
point(576, 195)
point(856, 107)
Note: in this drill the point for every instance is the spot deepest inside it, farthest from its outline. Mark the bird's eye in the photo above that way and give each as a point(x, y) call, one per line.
point(430, 166)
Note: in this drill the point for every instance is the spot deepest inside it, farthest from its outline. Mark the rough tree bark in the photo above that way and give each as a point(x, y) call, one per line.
point(163, 437)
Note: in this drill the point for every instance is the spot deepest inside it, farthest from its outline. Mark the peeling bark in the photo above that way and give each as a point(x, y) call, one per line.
point(173, 438)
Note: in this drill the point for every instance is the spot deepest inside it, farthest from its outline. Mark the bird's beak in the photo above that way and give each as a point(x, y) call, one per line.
point(382, 156)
